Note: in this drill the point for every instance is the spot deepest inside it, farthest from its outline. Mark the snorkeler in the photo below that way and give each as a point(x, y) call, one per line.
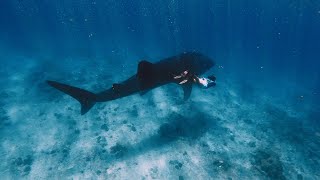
point(203, 82)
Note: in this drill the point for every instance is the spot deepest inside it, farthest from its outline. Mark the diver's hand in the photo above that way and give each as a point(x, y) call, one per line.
point(177, 77)
point(184, 81)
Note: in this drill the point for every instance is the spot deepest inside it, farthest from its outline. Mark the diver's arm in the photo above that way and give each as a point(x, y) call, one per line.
point(182, 78)
point(195, 79)
point(184, 81)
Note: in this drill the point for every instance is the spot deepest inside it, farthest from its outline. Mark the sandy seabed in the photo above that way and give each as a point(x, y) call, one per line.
point(221, 133)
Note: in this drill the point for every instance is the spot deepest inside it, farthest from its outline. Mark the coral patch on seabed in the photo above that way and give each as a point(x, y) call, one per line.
point(268, 163)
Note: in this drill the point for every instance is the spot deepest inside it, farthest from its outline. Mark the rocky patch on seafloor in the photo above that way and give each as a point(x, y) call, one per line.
point(217, 162)
point(176, 164)
point(268, 163)
point(118, 150)
point(22, 165)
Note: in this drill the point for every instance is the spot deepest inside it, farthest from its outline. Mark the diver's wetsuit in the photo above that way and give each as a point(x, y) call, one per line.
point(205, 82)
point(202, 82)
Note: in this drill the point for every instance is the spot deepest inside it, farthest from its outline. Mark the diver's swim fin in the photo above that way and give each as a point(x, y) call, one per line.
point(87, 99)
point(212, 77)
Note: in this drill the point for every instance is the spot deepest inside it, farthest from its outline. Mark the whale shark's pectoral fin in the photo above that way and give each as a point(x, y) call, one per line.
point(145, 73)
point(187, 88)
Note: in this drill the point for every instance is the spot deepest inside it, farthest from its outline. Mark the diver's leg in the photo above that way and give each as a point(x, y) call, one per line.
point(211, 84)
point(212, 78)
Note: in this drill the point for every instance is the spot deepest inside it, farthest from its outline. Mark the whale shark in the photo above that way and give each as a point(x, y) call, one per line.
point(149, 76)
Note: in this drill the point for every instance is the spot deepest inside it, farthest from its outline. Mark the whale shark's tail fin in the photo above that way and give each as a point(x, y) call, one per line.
point(87, 99)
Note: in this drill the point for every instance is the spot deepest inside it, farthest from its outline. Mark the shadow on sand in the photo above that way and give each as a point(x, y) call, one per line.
point(178, 127)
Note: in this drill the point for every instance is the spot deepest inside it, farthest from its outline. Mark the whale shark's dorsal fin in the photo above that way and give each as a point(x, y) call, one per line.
point(187, 88)
point(144, 69)
point(145, 73)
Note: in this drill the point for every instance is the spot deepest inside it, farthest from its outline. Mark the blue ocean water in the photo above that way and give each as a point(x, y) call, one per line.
point(261, 121)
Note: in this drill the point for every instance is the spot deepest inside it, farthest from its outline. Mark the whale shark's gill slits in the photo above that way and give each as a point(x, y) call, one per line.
point(87, 99)
point(116, 87)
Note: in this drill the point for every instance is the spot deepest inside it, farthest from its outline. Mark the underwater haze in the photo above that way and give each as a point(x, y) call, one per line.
point(261, 120)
